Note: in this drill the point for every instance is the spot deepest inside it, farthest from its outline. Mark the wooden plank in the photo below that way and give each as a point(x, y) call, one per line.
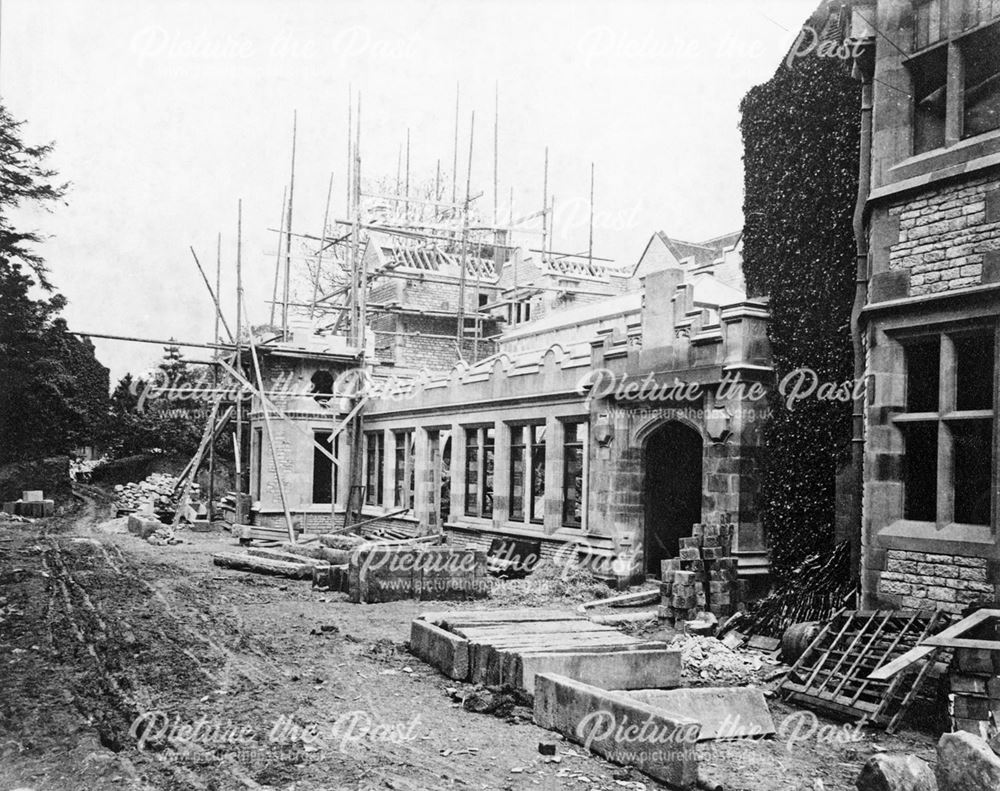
point(931, 644)
point(902, 662)
point(962, 642)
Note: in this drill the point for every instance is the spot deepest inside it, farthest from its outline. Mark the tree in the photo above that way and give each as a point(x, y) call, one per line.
point(25, 180)
point(53, 392)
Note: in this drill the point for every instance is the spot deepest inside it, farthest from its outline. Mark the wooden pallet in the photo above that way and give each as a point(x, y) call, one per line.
point(833, 673)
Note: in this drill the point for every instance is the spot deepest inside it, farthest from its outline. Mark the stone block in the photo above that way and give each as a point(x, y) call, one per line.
point(606, 670)
point(975, 660)
point(663, 745)
point(35, 509)
point(142, 527)
point(689, 553)
point(968, 685)
point(966, 763)
point(32, 496)
point(724, 712)
point(885, 772)
point(444, 650)
point(968, 707)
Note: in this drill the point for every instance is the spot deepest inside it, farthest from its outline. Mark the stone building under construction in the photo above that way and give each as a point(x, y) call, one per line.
point(589, 409)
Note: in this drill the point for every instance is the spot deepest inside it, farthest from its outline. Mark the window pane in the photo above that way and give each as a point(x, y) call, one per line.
point(446, 476)
point(972, 442)
point(571, 432)
point(399, 471)
point(322, 488)
point(929, 73)
point(920, 471)
point(573, 485)
point(927, 24)
point(538, 482)
point(923, 372)
point(488, 479)
point(371, 469)
point(471, 472)
point(517, 481)
point(982, 81)
point(974, 355)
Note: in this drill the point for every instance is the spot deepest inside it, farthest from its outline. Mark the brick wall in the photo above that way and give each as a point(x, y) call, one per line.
point(947, 236)
point(916, 580)
point(422, 345)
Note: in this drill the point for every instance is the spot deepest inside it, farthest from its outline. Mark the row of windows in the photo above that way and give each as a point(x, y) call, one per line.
point(527, 471)
point(969, 46)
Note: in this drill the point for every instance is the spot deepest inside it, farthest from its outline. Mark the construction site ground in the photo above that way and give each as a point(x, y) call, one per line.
point(99, 628)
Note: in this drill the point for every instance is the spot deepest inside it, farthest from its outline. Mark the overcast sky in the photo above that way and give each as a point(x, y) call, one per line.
point(164, 114)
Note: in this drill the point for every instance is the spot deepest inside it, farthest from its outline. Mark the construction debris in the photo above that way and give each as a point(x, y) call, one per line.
point(813, 591)
point(9, 517)
point(709, 660)
point(833, 675)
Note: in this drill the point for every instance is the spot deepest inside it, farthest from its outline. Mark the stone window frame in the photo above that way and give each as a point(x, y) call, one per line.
point(374, 496)
point(440, 495)
point(403, 491)
point(522, 435)
point(584, 445)
point(954, 36)
point(947, 415)
point(485, 504)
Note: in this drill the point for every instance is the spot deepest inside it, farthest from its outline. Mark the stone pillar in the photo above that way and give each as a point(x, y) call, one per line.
point(423, 477)
point(457, 472)
point(553, 475)
point(501, 473)
point(389, 471)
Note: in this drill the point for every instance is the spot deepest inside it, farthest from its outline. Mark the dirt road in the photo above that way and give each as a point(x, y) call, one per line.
point(130, 666)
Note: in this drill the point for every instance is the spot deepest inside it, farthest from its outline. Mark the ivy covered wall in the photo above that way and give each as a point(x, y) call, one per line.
point(801, 136)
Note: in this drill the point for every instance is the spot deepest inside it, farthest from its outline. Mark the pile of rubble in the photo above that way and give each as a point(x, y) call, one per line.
point(80, 469)
point(5, 517)
point(157, 488)
point(709, 660)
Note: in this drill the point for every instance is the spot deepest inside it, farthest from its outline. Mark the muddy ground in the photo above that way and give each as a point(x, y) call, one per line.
point(108, 645)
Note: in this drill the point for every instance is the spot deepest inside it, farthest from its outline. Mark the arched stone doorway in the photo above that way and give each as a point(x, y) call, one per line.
point(672, 490)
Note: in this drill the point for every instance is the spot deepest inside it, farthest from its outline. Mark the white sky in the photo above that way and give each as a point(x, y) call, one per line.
point(165, 113)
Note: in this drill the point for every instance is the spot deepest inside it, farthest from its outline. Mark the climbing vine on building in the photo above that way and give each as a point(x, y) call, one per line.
point(801, 136)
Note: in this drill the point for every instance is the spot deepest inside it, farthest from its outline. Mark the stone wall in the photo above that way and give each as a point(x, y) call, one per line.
point(921, 580)
point(948, 238)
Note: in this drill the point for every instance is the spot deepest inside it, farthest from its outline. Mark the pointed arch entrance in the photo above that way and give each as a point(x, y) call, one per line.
point(672, 491)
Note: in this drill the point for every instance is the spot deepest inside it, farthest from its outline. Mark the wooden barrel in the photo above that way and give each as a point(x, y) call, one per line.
point(796, 640)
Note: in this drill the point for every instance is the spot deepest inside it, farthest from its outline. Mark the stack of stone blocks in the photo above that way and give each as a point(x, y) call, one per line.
point(974, 685)
point(703, 577)
point(32, 505)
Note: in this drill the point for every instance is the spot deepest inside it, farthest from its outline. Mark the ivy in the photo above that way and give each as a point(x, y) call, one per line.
point(801, 135)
